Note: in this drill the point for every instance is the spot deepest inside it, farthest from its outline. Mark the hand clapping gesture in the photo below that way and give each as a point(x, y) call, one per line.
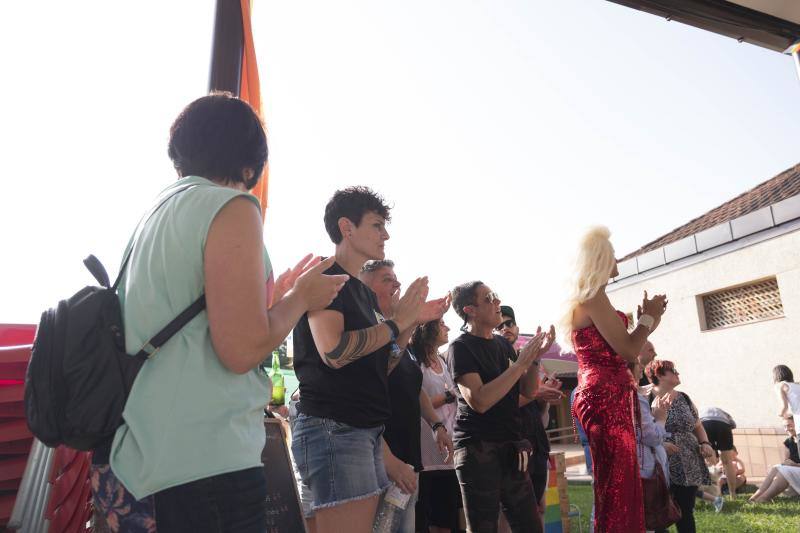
point(434, 309)
point(654, 307)
point(534, 348)
point(409, 307)
point(285, 281)
point(307, 278)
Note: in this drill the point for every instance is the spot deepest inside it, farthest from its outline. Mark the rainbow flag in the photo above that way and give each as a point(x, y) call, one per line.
point(555, 495)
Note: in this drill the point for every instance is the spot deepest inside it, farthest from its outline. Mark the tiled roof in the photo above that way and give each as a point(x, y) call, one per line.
point(782, 186)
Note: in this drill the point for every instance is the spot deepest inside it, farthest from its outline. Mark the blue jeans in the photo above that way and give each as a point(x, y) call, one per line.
point(337, 463)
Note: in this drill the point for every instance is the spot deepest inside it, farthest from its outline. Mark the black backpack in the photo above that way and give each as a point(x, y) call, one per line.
point(80, 375)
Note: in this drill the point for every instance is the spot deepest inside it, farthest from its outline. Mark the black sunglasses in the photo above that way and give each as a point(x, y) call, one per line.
point(506, 324)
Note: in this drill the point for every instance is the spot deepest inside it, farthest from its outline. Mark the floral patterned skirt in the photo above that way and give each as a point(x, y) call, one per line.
point(116, 506)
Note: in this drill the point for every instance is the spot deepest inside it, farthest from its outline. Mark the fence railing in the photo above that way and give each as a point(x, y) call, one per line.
point(563, 435)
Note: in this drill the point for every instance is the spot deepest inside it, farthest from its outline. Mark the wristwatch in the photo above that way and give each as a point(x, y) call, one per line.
point(395, 331)
point(437, 425)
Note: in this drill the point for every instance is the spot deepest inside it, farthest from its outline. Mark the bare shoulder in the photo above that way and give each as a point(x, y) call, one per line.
point(581, 318)
point(597, 304)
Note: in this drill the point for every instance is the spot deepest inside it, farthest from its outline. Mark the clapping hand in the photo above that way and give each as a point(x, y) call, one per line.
point(654, 306)
point(308, 280)
point(285, 281)
point(408, 308)
point(434, 309)
point(531, 351)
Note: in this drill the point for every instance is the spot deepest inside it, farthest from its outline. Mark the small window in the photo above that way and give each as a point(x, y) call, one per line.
point(754, 302)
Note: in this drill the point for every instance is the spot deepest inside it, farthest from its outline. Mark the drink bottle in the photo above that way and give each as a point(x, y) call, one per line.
point(278, 388)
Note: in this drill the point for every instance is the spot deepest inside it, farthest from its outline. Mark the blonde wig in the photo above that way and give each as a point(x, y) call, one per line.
point(593, 266)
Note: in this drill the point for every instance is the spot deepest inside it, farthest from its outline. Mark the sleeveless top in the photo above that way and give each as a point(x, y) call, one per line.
point(435, 384)
point(187, 416)
point(598, 363)
point(793, 397)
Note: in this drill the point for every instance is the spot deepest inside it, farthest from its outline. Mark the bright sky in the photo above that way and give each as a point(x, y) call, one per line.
point(499, 131)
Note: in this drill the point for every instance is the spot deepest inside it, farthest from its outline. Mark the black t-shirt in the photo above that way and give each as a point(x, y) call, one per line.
point(643, 381)
point(533, 429)
point(488, 358)
point(792, 445)
point(532, 426)
point(402, 429)
point(356, 394)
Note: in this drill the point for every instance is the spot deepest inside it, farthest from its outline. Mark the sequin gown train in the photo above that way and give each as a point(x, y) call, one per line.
point(604, 405)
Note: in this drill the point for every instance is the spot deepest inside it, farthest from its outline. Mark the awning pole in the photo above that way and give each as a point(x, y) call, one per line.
point(225, 72)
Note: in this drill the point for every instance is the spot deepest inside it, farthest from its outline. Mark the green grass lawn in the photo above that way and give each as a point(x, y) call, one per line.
point(782, 515)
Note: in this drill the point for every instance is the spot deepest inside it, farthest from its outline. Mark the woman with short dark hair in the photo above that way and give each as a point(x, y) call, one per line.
point(342, 357)
point(188, 456)
point(491, 455)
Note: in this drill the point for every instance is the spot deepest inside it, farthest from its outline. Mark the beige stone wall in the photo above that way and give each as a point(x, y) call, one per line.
point(729, 368)
point(759, 449)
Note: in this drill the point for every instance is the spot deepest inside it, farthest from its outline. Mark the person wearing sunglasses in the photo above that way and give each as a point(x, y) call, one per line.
point(492, 454)
point(534, 413)
point(687, 468)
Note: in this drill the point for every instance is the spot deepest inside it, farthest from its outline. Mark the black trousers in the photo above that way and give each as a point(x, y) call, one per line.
point(684, 498)
point(489, 478)
point(229, 503)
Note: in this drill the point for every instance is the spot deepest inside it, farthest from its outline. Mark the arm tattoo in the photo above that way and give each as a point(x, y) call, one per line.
point(354, 345)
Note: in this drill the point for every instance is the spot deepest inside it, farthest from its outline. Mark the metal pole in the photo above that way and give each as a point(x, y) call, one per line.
point(225, 73)
point(33, 491)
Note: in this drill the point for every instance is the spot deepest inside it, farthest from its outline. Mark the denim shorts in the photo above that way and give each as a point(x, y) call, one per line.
point(337, 463)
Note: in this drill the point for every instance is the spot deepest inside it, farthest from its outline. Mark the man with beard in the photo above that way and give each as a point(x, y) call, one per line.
point(534, 413)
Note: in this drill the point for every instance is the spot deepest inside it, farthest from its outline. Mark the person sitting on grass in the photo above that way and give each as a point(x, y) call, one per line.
point(785, 475)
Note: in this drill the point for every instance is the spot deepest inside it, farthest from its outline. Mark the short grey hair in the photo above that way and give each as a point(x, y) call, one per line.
point(375, 264)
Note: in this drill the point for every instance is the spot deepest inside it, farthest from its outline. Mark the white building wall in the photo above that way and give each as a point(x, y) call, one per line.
point(728, 368)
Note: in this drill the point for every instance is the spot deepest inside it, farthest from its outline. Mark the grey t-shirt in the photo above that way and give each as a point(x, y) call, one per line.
point(715, 413)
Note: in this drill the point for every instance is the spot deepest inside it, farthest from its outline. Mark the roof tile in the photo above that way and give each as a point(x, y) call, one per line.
point(784, 185)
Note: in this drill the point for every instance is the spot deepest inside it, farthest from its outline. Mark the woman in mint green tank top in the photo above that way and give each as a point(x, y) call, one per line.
point(188, 456)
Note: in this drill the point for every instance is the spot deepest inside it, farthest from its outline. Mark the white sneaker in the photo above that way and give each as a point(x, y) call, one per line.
point(718, 503)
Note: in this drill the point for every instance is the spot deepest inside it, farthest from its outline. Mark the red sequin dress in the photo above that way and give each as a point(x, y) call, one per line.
point(604, 405)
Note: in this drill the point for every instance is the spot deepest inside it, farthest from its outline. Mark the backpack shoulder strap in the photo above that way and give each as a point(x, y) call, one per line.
point(158, 340)
point(139, 228)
